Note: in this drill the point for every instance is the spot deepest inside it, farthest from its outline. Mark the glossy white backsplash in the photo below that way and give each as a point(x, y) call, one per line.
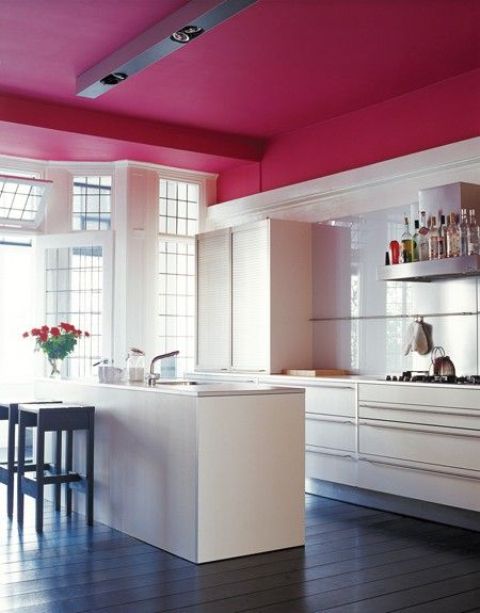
point(358, 328)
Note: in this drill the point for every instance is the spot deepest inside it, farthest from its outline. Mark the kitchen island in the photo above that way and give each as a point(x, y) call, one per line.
point(206, 472)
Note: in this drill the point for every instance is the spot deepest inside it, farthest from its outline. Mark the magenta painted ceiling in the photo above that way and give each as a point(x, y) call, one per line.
point(277, 66)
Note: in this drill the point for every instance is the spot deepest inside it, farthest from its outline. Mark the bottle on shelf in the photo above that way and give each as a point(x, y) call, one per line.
point(423, 238)
point(472, 234)
point(433, 239)
point(463, 232)
point(442, 238)
point(415, 241)
point(407, 244)
point(394, 252)
point(453, 237)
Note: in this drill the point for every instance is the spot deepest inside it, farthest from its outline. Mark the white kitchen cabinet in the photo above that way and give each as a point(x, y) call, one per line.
point(330, 433)
point(255, 281)
point(214, 299)
point(420, 442)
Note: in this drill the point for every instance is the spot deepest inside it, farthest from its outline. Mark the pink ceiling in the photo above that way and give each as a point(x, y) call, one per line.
point(277, 66)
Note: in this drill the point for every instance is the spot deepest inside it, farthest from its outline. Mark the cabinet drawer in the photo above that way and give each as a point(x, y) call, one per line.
point(416, 393)
point(425, 444)
point(331, 434)
point(421, 414)
point(331, 400)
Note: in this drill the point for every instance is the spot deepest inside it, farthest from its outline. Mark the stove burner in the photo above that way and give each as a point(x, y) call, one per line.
point(423, 376)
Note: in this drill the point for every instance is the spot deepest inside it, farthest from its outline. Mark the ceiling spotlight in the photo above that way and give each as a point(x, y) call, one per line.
point(113, 78)
point(186, 34)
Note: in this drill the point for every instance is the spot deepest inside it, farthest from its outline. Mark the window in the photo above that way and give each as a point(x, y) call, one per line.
point(17, 309)
point(77, 288)
point(92, 203)
point(178, 224)
point(22, 201)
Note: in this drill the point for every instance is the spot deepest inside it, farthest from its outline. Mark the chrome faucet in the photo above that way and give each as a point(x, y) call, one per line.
point(153, 376)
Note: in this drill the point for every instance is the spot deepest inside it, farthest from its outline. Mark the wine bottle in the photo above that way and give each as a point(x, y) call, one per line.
point(423, 238)
point(453, 237)
point(407, 244)
point(433, 239)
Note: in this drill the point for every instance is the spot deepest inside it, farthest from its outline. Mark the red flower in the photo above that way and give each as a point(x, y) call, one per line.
point(44, 328)
point(25, 334)
point(43, 336)
point(86, 333)
point(55, 331)
point(35, 332)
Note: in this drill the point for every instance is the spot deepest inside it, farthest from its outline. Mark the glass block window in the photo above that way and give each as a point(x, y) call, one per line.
point(92, 203)
point(178, 224)
point(74, 288)
point(178, 208)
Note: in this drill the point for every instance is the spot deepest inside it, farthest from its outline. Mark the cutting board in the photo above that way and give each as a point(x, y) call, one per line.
point(332, 372)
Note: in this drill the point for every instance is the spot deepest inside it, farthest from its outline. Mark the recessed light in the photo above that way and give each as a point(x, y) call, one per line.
point(113, 78)
point(186, 34)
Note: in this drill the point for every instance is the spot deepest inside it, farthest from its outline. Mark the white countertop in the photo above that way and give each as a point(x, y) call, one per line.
point(345, 380)
point(203, 389)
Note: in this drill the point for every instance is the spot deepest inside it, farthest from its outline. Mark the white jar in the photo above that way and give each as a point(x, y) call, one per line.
point(135, 366)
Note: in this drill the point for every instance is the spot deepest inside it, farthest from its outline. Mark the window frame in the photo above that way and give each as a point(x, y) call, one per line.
point(10, 223)
point(84, 238)
point(186, 239)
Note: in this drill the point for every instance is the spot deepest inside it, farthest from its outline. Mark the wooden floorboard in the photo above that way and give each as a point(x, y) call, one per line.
point(356, 560)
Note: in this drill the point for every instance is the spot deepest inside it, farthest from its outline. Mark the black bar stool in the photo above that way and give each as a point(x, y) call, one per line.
point(9, 411)
point(55, 418)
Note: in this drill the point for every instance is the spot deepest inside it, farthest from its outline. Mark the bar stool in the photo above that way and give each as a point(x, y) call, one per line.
point(55, 418)
point(9, 411)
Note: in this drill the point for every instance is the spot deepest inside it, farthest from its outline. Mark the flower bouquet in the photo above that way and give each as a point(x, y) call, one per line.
point(56, 342)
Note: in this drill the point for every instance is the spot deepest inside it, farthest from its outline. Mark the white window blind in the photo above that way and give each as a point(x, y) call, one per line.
point(214, 300)
point(250, 298)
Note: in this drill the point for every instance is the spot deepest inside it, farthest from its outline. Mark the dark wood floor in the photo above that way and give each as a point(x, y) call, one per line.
point(356, 559)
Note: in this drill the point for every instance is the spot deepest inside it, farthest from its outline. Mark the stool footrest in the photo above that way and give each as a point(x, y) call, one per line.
point(53, 479)
point(27, 468)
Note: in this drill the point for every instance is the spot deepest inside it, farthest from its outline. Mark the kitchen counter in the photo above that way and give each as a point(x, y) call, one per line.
point(278, 379)
point(199, 390)
point(205, 472)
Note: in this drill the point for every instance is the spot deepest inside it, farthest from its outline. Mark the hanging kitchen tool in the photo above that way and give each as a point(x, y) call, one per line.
point(441, 363)
point(419, 337)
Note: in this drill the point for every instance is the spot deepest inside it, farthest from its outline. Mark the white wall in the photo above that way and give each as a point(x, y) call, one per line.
point(357, 248)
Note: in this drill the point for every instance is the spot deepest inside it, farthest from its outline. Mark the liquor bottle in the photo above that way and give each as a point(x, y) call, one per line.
point(433, 239)
point(463, 232)
point(472, 234)
point(407, 244)
point(442, 238)
point(453, 237)
point(415, 241)
point(394, 252)
point(423, 238)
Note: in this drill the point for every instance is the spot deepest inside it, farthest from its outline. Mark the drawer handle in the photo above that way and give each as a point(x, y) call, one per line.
point(451, 411)
point(325, 418)
point(332, 387)
point(336, 454)
point(407, 428)
point(448, 473)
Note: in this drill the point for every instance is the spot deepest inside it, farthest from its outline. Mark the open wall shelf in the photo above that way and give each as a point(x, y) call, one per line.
point(431, 270)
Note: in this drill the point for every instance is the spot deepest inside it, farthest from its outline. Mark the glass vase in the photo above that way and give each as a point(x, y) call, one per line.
point(56, 367)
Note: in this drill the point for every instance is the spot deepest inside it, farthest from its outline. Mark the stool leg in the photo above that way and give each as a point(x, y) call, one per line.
point(12, 420)
point(68, 467)
point(58, 468)
point(90, 475)
point(20, 466)
point(39, 476)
